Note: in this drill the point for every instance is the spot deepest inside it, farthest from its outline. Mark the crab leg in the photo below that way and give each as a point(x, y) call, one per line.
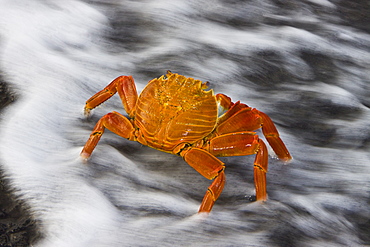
point(126, 89)
point(260, 170)
point(244, 143)
point(113, 121)
point(240, 117)
point(211, 168)
point(233, 144)
point(272, 136)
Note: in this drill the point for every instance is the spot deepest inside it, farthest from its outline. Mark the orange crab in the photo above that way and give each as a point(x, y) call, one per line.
point(176, 115)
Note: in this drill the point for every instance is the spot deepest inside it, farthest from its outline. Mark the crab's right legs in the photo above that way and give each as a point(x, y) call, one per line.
point(240, 144)
point(125, 86)
point(210, 167)
point(273, 138)
point(113, 121)
point(240, 117)
point(260, 170)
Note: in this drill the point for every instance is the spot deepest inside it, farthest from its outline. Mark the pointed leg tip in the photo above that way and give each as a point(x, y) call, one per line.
point(261, 199)
point(287, 160)
point(87, 112)
point(84, 156)
point(203, 211)
point(203, 214)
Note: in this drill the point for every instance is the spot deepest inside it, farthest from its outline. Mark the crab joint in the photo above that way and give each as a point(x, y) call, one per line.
point(179, 148)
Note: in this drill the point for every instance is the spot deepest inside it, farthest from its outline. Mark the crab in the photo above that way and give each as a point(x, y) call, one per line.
point(175, 114)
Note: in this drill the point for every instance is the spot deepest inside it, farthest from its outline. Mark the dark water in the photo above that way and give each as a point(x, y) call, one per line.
point(304, 63)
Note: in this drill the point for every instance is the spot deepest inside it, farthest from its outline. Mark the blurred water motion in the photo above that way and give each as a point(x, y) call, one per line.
point(306, 64)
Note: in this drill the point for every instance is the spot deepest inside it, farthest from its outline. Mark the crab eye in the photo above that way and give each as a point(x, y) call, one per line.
point(205, 85)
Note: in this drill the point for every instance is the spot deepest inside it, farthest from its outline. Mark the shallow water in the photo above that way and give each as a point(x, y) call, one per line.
point(306, 64)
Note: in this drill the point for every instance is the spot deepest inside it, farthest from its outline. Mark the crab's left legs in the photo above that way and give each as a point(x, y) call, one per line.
point(210, 167)
point(113, 121)
point(125, 86)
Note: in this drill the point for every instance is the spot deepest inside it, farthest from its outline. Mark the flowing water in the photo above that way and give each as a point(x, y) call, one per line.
point(304, 63)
